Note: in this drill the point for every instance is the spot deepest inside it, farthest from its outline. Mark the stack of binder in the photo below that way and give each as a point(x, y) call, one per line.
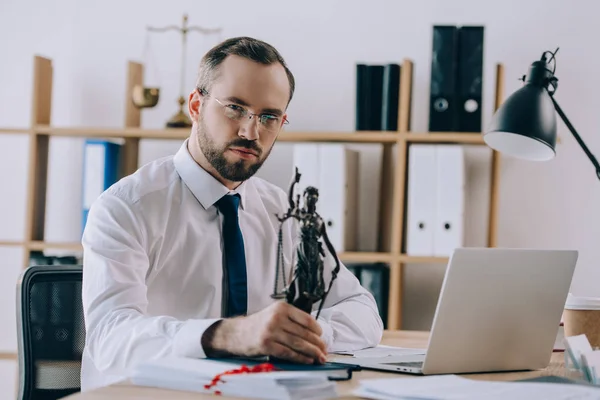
point(456, 87)
point(377, 97)
point(375, 278)
point(435, 199)
point(101, 163)
point(333, 170)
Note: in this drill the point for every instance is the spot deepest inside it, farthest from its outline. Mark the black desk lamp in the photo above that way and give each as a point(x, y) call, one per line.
point(525, 124)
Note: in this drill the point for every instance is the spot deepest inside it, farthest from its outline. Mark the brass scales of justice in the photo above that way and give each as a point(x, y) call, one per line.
point(147, 97)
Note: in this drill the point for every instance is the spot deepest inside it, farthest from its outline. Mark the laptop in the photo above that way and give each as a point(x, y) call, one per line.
point(498, 310)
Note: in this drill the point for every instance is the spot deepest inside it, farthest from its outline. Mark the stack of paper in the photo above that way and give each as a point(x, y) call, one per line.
point(453, 387)
point(583, 357)
point(197, 375)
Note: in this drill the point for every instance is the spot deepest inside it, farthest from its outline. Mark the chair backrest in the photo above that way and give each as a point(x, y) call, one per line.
point(50, 331)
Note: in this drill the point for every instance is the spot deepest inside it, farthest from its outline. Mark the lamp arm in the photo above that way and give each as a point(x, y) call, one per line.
point(577, 137)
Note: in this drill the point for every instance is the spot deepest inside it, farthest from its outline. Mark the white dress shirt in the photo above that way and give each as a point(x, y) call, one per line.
point(153, 268)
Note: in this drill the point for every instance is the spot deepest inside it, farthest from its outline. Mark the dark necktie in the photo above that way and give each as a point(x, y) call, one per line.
point(235, 259)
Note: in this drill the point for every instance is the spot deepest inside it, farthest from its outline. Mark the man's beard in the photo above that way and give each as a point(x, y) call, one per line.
point(235, 172)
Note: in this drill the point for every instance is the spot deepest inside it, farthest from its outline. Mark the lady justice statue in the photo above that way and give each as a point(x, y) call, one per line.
point(307, 284)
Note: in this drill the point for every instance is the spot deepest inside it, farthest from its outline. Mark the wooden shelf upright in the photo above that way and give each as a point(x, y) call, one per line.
point(393, 178)
point(41, 111)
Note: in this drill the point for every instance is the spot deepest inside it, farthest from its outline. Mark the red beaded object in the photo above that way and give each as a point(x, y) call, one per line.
point(244, 369)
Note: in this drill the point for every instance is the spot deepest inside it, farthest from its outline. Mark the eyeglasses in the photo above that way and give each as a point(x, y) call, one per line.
point(235, 112)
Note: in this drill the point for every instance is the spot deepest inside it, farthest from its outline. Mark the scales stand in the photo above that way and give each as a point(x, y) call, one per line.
point(148, 97)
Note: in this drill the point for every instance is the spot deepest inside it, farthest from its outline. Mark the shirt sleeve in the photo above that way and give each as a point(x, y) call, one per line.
point(119, 332)
point(349, 317)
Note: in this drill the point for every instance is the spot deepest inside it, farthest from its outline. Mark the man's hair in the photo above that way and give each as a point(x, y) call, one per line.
point(246, 47)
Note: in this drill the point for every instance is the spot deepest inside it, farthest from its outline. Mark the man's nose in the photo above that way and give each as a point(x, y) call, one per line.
point(249, 128)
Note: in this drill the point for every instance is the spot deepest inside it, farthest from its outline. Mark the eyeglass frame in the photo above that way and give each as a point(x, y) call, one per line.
point(245, 112)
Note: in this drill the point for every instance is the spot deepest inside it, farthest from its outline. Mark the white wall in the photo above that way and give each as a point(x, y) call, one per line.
point(555, 204)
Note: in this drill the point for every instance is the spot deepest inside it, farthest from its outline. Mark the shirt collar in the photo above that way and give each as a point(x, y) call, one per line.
point(206, 188)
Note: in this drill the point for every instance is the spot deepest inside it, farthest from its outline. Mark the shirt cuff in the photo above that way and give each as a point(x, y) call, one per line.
point(188, 341)
point(327, 334)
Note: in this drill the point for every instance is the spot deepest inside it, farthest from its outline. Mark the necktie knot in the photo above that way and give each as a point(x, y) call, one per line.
point(229, 204)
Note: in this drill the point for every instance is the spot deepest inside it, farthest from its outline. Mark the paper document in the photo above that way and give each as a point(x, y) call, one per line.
point(453, 387)
point(591, 363)
point(576, 346)
point(200, 375)
point(382, 351)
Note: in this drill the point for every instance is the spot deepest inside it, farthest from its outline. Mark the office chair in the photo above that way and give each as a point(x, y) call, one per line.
point(50, 331)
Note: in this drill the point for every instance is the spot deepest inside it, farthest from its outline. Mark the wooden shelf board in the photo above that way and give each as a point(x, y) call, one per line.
point(405, 258)
point(309, 136)
point(365, 257)
point(285, 136)
point(8, 356)
point(11, 243)
point(180, 134)
point(15, 130)
point(40, 245)
point(348, 137)
point(344, 256)
point(445, 137)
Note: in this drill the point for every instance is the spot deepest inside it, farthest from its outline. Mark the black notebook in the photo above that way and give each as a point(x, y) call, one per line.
point(334, 371)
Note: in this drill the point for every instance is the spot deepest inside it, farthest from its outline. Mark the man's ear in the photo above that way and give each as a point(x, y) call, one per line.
point(194, 103)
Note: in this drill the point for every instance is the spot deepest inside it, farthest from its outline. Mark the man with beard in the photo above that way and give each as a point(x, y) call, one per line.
point(179, 257)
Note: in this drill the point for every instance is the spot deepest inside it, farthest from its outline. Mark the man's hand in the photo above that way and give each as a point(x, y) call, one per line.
point(280, 330)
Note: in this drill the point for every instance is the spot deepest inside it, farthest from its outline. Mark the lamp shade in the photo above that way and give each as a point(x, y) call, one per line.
point(525, 124)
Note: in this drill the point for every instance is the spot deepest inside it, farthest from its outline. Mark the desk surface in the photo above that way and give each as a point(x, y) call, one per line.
point(393, 338)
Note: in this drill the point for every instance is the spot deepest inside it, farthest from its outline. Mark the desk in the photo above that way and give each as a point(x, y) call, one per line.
point(411, 339)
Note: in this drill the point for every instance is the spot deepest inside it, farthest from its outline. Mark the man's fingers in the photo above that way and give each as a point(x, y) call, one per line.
point(284, 352)
point(295, 329)
point(305, 320)
point(299, 344)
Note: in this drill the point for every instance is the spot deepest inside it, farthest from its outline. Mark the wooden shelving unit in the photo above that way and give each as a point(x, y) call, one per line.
point(394, 174)
point(9, 243)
